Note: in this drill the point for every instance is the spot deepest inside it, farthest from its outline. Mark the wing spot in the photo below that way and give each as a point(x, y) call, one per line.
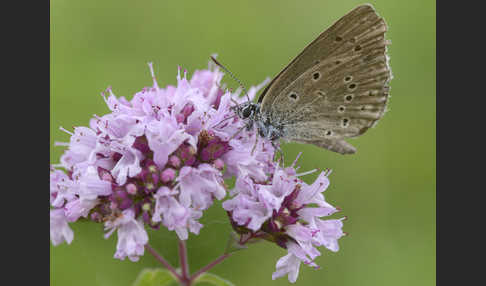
point(348, 97)
point(352, 86)
point(294, 96)
point(341, 108)
point(338, 62)
point(338, 39)
point(363, 108)
point(345, 122)
point(316, 76)
point(357, 48)
point(348, 78)
point(328, 133)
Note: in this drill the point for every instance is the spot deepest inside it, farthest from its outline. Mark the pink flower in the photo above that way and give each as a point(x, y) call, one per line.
point(246, 208)
point(132, 236)
point(61, 188)
point(160, 159)
point(288, 264)
point(164, 137)
point(208, 81)
point(60, 230)
point(241, 162)
point(79, 208)
point(156, 159)
point(91, 186)
point(172, 214)
point(128, 166)
point(199, 185)
point(329, 233)
point(287, 211)
point(82, 143)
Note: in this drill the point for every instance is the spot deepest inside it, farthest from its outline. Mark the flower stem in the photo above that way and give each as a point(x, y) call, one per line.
point(183, 259)
point(209, 266)
point(163, 261)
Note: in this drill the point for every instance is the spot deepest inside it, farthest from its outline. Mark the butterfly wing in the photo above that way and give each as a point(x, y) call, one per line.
point(337, 87)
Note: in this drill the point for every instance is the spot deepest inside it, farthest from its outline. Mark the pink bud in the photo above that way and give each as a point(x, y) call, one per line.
point(131, 189)
point(175, 161)
point(168, 175)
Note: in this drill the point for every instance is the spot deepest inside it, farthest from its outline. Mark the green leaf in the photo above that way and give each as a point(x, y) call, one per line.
point(155, 277)
point(213, 279)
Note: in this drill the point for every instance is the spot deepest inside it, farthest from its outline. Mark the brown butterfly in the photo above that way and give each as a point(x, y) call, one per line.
point(336, 88)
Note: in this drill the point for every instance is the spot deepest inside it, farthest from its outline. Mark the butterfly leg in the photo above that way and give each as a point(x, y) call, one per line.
point(254, 146)
point(223, 120)
point(279, 151)
point(237, 132)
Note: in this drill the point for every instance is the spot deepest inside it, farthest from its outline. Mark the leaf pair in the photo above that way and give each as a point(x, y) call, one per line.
point(163, 277)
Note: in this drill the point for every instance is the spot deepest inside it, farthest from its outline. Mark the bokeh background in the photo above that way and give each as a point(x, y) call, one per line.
point(387, 189)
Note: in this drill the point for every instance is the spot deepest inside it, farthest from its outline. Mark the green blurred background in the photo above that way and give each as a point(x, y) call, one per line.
point(387, 189)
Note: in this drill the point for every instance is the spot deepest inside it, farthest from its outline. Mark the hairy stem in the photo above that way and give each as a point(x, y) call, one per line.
point(184, 261)
point(163, 261)
point(209, 266)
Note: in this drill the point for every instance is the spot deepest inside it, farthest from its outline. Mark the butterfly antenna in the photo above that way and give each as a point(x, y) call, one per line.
point(232, 76)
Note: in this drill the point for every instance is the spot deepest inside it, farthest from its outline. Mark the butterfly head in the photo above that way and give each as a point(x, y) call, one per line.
point(247, 110)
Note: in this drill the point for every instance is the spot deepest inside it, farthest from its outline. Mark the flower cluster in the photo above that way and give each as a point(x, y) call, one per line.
point(160, 159)
point(287, 211)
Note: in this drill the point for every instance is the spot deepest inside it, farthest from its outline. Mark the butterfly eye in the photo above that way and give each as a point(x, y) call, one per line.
point(246, 112)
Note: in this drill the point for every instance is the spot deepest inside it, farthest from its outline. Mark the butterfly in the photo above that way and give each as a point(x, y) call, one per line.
point(336, 88)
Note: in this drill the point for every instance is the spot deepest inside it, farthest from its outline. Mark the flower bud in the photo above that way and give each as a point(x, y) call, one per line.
point(174, 161)
point(168, 175)
point(131, 189)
